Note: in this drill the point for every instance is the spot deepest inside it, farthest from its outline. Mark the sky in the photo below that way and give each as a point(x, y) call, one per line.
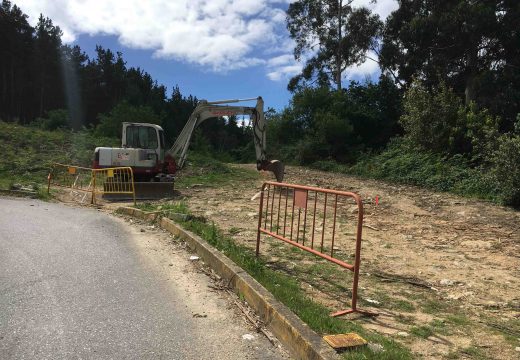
point(212, 49)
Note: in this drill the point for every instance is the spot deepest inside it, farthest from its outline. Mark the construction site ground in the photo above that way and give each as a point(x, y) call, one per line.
point(442, 271)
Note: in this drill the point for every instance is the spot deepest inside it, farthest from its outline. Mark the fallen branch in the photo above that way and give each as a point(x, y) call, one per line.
point(370, 227)
point(406, 279)
point(256, 324)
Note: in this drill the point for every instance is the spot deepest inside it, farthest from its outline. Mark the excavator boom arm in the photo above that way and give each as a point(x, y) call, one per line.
point(206, 110)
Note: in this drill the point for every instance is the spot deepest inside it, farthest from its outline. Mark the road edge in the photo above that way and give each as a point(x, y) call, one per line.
point(301, 341)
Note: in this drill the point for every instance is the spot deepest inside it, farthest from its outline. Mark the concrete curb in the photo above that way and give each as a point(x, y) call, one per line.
point(19, 193)
point(294, 334)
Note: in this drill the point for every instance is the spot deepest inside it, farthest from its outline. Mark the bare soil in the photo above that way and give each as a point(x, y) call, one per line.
point(443, 271)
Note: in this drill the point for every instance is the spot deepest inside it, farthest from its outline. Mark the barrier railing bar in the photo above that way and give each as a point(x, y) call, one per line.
point(305, 217)
point(260, 211)
point(267, 206)
point(279, 206)
point(314, 218)
point(292, 214)
point(323, 226)
point(312, 188)
point(285, 217)
point(298, 226)
point(272, 209)
point(334, 226)
point(93, 199)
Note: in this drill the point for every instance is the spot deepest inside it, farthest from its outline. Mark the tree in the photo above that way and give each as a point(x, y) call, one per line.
point(47, 64)
point(110, 124)
point(16, 54)
point(333, 34)
point(473, 46)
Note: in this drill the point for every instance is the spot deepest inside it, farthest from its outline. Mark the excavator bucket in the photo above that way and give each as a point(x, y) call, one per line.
point(277, 168)
point(149, 190)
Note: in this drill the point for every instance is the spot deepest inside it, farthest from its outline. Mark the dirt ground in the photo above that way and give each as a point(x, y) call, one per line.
point(442, 271)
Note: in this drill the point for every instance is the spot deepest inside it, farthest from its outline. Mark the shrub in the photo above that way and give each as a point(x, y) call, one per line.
point(506, 168)
point(56, 119)
point(432, 121)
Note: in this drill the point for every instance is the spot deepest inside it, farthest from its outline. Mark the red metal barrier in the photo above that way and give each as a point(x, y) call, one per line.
point(287, 204)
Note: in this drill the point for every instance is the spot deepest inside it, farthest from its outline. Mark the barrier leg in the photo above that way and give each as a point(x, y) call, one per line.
point(93, 199)
point(260, 221)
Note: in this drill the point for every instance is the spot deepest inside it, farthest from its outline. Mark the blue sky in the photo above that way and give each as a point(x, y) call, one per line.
point(192, 79)
point(212, 49)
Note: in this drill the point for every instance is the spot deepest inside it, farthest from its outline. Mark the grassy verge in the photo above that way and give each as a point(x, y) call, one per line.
point(28, 152)
point(286, 289)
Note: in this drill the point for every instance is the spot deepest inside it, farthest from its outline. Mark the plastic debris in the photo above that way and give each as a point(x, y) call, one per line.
point(248, 337)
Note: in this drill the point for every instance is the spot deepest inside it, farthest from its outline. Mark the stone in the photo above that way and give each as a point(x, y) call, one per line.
point(403, 334)
point(376, 348)
point(446, 282)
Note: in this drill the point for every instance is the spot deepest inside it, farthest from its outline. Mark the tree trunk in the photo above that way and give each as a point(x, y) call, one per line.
point(11, 100)
point(338, 55)
point(471, 77)
point(470, 92)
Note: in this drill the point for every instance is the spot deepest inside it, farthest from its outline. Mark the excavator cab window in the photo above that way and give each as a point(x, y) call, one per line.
point(161, 139)
point(141, 137)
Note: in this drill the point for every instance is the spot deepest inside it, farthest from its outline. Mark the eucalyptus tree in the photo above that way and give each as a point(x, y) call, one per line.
point(330, 36)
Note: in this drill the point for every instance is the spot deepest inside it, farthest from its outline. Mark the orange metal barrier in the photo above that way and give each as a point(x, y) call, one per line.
point(300, 216)
point(119, 180)
point(76, 178)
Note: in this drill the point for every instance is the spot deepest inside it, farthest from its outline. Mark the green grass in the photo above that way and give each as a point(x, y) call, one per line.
point(28, 152)
point(434, 306)
point(206, 171)
point(474, 352)
point(424, 331)
point(287, 290)
point(458, 319)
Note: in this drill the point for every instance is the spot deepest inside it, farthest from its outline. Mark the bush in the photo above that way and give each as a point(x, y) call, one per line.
point(404, 163)
point(433, 121)
point(506, 168)
point(56, 119)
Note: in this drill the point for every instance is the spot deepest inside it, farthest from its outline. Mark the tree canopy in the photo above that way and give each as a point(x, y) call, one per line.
point(330, 35)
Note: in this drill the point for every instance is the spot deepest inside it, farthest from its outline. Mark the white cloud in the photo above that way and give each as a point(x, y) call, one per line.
point(218, 35)
point(381, 7)
point(368, 68)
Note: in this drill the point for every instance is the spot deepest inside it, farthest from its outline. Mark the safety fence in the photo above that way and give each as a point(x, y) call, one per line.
point(313, 219)
point(118, 180)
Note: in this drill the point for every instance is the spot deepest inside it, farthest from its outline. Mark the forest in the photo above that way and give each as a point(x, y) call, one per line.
point(443, 114)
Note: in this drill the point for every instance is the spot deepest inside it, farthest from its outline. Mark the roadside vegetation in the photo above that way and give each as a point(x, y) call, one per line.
point(283, 286)
point(29, 151)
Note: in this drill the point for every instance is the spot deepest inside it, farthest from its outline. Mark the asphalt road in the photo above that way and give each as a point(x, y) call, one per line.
point(74, 285)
